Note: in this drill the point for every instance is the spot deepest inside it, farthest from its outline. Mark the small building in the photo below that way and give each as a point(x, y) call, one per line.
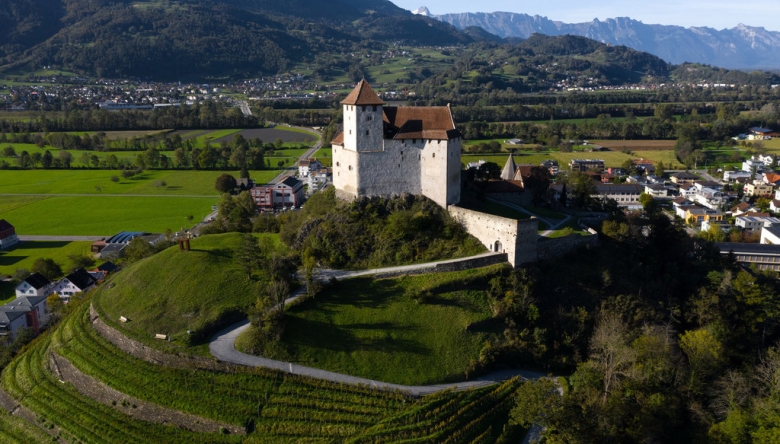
point(34, 285)
point(24, 312)
point(765, 133)
point(626, 195)
point(306, 166)
point(552, 166)
point(77, 282)
point(770, 235)
point(514, 142)
point(656, 190)
point(733, 176)
point(771, 178)
point(683, 177)
point(8, 237)
point(318, 178)
point(288, 193)
point(115, 245)
point(583, 165)
point(758, 188)
point(753, 223)
point(697, 215)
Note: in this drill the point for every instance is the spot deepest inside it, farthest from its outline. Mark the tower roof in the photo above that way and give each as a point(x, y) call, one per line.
point(508, 173)
point(363, 94)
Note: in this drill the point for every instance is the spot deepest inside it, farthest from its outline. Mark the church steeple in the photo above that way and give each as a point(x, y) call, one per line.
point(508, 173)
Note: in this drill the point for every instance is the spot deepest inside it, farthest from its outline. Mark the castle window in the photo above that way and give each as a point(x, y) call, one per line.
point(366, 132)
point(434, 155)
point(350, 167)
point(369, 118)
point(374, 107)
point(363, 108)
point(402, 153)
point(338, 164)
point(414, 140)
point(350, 132)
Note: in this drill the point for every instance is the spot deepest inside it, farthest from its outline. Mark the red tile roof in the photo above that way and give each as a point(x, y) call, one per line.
point(362, 95)
point(338, 140)
point(420, 122)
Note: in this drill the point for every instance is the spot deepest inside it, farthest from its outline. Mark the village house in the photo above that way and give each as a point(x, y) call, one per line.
point(317, 178)
point(34, 285)
point(288, 193)
point(306, 166)
point(763, 133)
point(758, 188)
point(552, 166)
point(8, 237)
point(115, 245)
point(752, 223)
point(770, 235)
point(23, 312)
point(697, 215)
point(771, 178)
point(733, 176)
point(683, 177)
point(583, 165)
point(77, 282)
point(626, 195)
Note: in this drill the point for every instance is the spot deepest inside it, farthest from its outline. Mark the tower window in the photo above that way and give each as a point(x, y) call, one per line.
point(402, 153)
point(338, 164)
point(350, 132)
point(363, 108)
point(434, 155)
point(350, 167)
point(366, 132)
point(374, 107)
point(369, 118)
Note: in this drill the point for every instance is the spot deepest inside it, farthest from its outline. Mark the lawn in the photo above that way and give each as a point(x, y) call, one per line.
point(172, 292)
point(178, 182)
point(106, 215)
point(24, 253)
point(325, 156)
point(372, 328)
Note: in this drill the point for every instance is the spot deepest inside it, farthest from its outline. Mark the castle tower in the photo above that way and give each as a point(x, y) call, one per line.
point(508, 173)
point(363, 125)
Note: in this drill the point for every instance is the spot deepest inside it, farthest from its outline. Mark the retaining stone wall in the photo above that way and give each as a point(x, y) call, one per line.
point(466, 264)
point(516, 238)
point(554, 248)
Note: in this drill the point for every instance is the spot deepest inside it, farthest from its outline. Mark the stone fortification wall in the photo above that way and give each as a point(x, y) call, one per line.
point(345, 177)
point(516, 238)
point(554, 248)
point(454, 265)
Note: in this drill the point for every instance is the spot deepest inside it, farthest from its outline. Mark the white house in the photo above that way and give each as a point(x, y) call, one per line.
point(34, 285)
point(731, 176)
point(77, 282)
point(755, 222)
point(710, 198)
point(306, 166)
point(770, 235)
point(8, 237)
point(626, 196)
point(317, 178)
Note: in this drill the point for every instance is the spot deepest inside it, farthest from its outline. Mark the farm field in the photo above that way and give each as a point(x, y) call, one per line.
point(24, 254)
point(106, 215)
point(289, 136)
point(373, 328)
point(325, 156)
point(178, 182)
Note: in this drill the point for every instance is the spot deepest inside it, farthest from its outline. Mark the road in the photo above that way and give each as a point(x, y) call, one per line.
point(324, 275)
point(61, 238)
point(309, 153)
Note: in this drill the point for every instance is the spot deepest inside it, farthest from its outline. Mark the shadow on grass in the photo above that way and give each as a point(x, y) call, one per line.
point(7, 261)
point(28, 245)
point(375, 337)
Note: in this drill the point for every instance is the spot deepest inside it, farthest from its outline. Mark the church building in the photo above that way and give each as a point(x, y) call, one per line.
point(388, 150)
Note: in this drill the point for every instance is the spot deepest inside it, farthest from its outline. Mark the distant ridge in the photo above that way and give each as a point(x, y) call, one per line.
point(741, 47)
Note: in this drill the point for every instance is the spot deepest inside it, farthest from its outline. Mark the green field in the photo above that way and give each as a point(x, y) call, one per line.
point(106, 215)
point(325, 156)
point(178, 182)
point(373, 328)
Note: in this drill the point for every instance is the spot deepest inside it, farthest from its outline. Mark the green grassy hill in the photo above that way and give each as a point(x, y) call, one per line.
point(375, 328)
point(173, 291)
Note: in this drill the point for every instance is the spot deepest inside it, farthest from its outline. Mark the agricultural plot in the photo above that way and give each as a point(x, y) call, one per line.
point(289, 136)
point(325, 156)
point(78, 418)
point(14, 430)
point(375, 329)
point(107, 215)
point(97, 182)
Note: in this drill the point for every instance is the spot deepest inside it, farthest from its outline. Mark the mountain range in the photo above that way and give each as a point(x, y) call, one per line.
point(741, 47)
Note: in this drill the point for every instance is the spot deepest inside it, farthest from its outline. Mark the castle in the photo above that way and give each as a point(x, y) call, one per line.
point(388, 150)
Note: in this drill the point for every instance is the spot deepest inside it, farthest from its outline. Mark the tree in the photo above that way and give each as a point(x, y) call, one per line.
point(9, 151)
point(649, 204)
point(47, 159)
point(138, 249)
point(489, 170)
point(47, 267)
point(248, 254)
point(225, 183)
point(80, 261)
point(160, 184)
point(537, 183)
point(66, 158)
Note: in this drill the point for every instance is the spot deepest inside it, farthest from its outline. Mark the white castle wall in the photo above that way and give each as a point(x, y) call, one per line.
point(516, 238)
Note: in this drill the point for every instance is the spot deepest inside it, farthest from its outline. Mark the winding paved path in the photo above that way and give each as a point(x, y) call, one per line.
point(222, 345)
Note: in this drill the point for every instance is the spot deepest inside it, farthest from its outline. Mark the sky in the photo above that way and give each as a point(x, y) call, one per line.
point(716, 14)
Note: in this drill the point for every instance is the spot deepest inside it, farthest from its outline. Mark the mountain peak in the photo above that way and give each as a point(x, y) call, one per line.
point(422, 10)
